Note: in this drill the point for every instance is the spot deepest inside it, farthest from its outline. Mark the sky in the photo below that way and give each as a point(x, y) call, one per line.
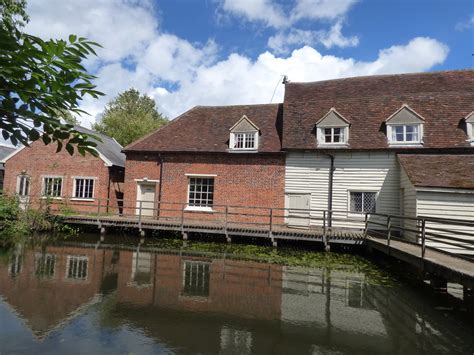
point(219, 52)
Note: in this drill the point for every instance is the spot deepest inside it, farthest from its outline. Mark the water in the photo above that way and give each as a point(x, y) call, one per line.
point(76, 298)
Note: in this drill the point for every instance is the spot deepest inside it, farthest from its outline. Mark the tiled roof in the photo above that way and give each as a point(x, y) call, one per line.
point(442, 98)
point(449, 171)
point(206, 129)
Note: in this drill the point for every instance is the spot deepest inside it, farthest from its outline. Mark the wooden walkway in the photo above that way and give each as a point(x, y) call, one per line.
point(436, 263)
point(315, 234)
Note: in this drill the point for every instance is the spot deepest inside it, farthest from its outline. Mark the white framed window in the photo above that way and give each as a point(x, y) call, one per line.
point(196, 278)
point(83, 188)
point(53, 186)
point(76, 267)
point(410, 133)
point(362, 201)
point(23, 185)
point(332, 135)
point(244, 140)
point(201, 193)
point(470, 132)
point(45, 265)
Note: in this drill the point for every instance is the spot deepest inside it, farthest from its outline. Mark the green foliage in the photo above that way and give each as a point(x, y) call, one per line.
point(17, 222)
point(39, 78)
point(66, 116)
point(12, 12)
point(130, 116)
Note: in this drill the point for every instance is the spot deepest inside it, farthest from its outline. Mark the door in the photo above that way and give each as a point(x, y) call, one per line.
point(23, 190)
point(298, 210)
point(146, 194)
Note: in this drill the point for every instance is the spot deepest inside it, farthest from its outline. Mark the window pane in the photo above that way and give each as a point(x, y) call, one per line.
point(398, 134)
point(411, 133)
point(356, 202)
point(369, 202)
point(328, 135)
point(201, 191)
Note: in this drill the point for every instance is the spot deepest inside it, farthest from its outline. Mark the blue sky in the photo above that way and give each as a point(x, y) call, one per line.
point(217, 52)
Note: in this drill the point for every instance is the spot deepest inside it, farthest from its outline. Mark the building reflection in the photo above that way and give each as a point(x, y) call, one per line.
point(196, 303)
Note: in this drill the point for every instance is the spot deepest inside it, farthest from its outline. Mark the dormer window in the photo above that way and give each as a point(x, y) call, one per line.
point(405, 127)
point(470, 127)
point(243, 136)
point(332, 130)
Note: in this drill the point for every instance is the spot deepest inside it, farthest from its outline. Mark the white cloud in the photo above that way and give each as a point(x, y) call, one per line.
point(465, 25)
point(180, 74)
point(321, 9)
point(282, 42)
point(256, 10)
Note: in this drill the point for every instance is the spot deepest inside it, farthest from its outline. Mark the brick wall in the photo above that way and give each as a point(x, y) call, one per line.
point(244, 180)
point(41, 160)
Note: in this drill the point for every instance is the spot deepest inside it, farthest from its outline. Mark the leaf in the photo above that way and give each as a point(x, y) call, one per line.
point(72, 38)
point(60, 146)
point(70, 148)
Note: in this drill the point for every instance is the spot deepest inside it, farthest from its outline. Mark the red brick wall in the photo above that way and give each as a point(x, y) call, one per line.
point(241, 180)
point(42, 160)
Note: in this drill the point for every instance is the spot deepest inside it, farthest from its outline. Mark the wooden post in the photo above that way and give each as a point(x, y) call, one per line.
point(366, 225)
point(270, 233)
point(325, 237)
point(423, 238)
point(140, 215)
point(389, 230)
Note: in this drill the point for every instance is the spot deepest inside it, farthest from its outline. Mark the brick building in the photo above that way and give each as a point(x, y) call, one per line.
point(76, 182)
point(207, 158)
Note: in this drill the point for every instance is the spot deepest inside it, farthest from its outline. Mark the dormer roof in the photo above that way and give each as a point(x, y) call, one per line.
point(333, 119)
point(470, 118)
point(244, 125)
point(405, 115)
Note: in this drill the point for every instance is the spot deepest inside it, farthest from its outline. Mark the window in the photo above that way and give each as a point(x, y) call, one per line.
point(76, 267)
point(333, 135)
point(244, 141)
point(141, 269)
point(83, 188)
point(405, 134)
point(15, 265)
point(53, 186)
point(45, 265)
point(470, 132)
point(196, 278)
point(23, 185)
point(201, 192)
point(362, 202)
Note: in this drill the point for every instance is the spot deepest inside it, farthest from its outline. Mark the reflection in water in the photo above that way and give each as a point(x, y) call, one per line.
point(63, 298)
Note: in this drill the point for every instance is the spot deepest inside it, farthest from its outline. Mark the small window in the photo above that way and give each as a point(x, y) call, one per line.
point(362, 202)
point(333, 135)
point(196, 278)
point(53, 186)
point(470, 132)
point(76, 267)
point(405, 134)
point(244, 140)
point(23, 185)
point(83, 188)
point(45, 265)
point(201, 192)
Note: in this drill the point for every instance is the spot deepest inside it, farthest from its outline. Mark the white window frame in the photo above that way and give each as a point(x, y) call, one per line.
point(75, 179)
point(232, 141)
point(200, 208)
point(202, 271)
point(43, 186)
point(18, 185)
point(360, 214)
point(390, 134)
point(45, 260)
point(77, 258)
point(470, 132)
point(321, 136)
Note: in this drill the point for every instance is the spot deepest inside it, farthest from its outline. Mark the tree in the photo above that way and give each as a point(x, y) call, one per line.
point(38, 79)
point(129, 116)
point(66, 116)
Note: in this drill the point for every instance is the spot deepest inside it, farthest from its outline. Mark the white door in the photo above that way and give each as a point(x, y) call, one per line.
point(23, 190)
point(298, 210)
point(146, 194)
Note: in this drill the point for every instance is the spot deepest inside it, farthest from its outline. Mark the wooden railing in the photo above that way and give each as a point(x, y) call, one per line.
point(447, 235)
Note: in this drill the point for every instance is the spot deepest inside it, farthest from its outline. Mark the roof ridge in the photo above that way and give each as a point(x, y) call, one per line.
point(382, 76)
point(240, 105)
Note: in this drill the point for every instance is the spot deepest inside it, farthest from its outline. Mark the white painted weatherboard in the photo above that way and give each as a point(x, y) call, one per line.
point(409, 205)
point(452, 205)
point(308, 172)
